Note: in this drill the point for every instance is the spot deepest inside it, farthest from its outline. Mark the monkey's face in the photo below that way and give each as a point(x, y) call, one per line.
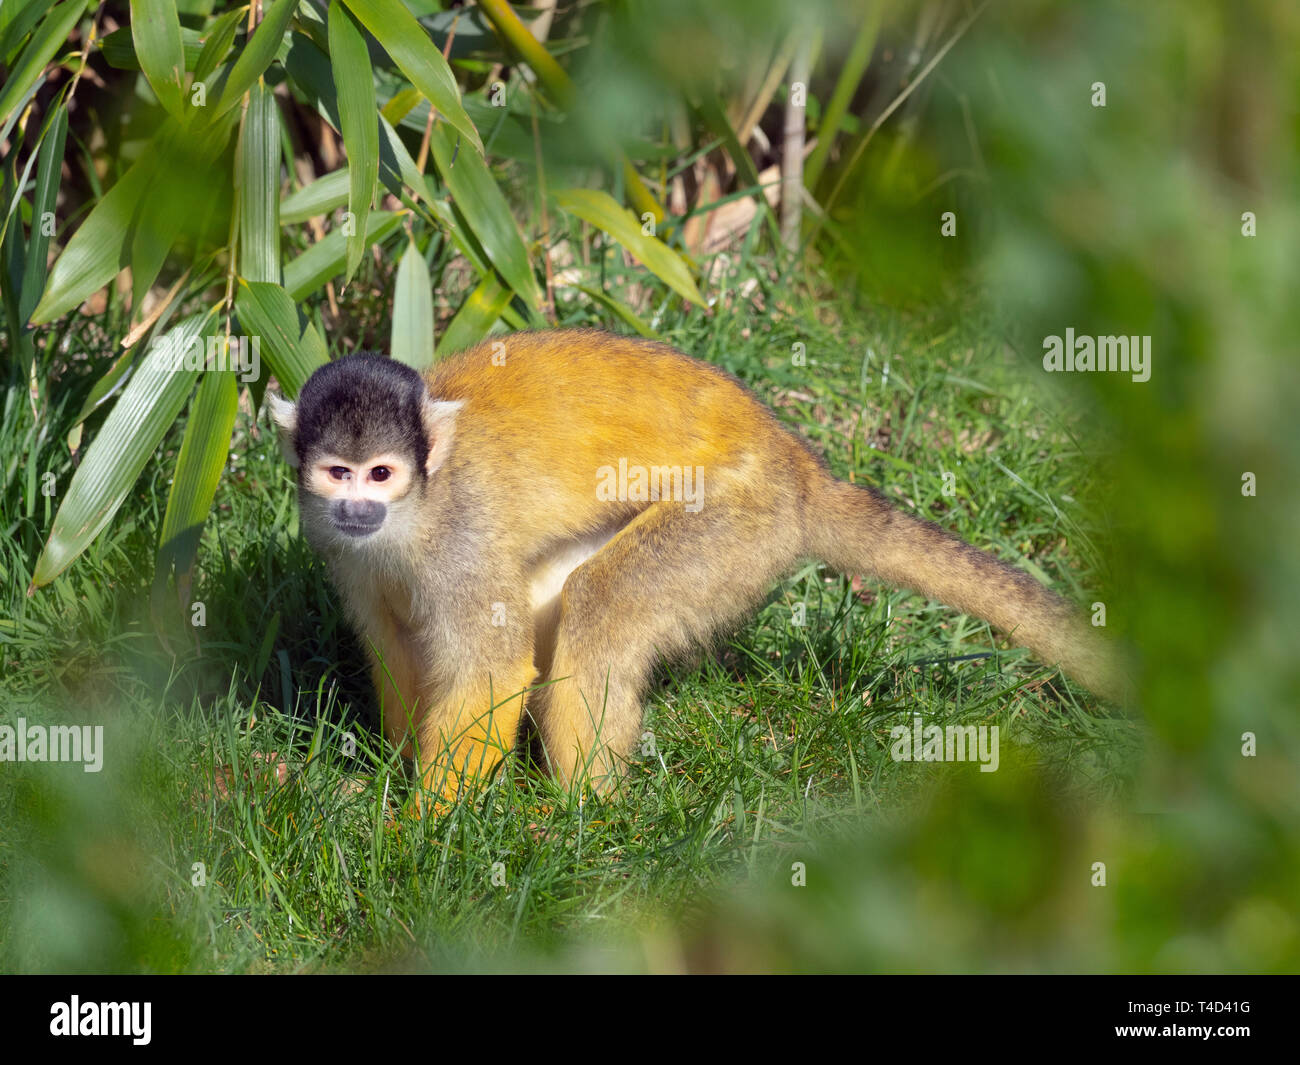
point(366, 437)
point(357, 499)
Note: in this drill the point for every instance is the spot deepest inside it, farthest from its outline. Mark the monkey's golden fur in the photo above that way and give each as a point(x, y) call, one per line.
point(462, 615)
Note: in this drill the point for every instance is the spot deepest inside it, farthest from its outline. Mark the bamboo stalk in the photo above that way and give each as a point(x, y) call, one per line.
point(792, 149)
point(855, 66)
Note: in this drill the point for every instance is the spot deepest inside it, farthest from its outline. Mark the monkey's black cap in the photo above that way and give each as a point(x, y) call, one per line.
point(359, 405)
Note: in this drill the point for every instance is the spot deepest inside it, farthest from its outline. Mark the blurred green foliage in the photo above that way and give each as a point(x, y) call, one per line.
point(1122, 219)
point(1128, 219)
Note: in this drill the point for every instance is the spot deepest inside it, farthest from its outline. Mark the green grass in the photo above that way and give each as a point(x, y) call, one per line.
point(772, 751)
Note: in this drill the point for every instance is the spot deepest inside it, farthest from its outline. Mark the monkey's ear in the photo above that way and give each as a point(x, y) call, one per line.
point(439, 417)
point(285, 416)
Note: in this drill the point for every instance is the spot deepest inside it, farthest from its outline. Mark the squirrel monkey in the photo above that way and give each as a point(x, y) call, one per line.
point(536, 521)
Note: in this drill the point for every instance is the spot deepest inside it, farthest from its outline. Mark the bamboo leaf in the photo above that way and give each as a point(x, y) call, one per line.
point(105, 386)
point(257, 174)
point(412, 334)
point(310, 70)
point(400, 105)
point(182, 190)
point(146, 409)
point(355, 85)
point(20, 185)
point(416, 56)
point(479, 198)
point(43, 204)
point(13, 252)
point(621, 310)
point(308, 67)
point(457, 230)
point(396, 167)
point(319, 198)
point(605, 213)
point(161, 196)
point(204, 451)
point(562, 90)
point(516, 34)
point(39, 51)
point(118, 48)
point(156, 33)
point(255, 58)
point(21, 107)
point(268, 313)
point(97, 250)
point(16, 21)
point(327, 258)
point(476, 316)
point(218, 39)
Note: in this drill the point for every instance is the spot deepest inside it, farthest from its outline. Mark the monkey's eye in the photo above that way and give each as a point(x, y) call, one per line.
point(339, 473)
point(380, 473)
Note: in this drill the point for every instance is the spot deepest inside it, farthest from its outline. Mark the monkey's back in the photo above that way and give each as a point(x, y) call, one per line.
point(603, 399)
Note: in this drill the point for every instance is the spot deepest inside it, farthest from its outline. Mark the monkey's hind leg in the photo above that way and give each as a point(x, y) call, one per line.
point(666, 582)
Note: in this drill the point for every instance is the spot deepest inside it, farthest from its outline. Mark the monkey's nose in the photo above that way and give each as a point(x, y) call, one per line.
point(359, 517)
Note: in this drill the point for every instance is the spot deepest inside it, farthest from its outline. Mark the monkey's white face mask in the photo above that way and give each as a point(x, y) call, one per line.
point(363, 498)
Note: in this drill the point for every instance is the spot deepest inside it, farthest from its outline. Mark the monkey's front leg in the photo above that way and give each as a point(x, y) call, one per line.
point(471, 706)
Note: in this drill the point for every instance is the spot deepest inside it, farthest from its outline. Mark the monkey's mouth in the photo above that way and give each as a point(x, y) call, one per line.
point(357, 529)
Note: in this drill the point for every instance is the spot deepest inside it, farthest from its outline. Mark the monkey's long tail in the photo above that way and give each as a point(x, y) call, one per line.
point(855, 530)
